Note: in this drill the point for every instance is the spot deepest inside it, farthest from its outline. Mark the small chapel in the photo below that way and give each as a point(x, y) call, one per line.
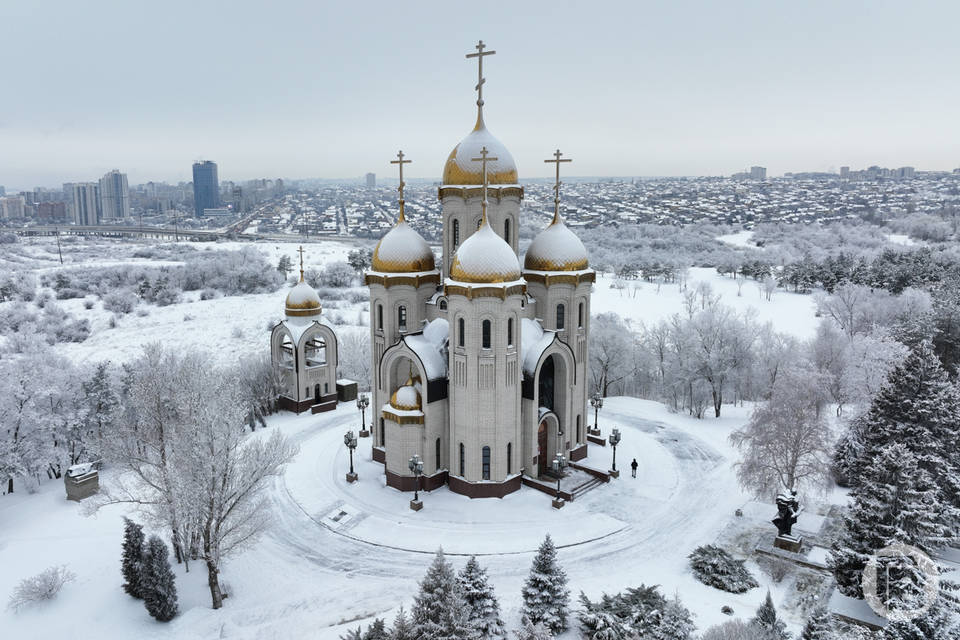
point(303, 350)
point(479, 363)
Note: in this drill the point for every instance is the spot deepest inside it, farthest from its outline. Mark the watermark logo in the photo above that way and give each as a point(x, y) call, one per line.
point(900, 582)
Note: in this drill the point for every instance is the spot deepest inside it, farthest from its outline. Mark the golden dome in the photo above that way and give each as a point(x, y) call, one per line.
point(556, 248)
point(407, 397)
point(402, 250)
point(460, 168)
point(302, 300)
point(485, 257)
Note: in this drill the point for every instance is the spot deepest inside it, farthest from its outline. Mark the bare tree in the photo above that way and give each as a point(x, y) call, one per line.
point(611, 346)
point(354, 354)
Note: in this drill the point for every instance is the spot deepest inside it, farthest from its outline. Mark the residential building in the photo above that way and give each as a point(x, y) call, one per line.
point(85, 203)
point(206, 187)
point(114, 196)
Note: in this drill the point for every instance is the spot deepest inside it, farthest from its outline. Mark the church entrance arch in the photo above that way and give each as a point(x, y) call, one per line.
point(546, 441)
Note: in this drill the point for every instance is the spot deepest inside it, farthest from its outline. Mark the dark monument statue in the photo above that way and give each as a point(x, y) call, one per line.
point(788, 508)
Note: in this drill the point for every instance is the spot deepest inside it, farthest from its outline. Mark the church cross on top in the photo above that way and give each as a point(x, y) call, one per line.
point(300, 251)
point(484, 159)
point(480, 79)
point(400, 161)
point(556, 187)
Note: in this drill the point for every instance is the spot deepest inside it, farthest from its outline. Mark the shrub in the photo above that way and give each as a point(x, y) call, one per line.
point(88, 304)
point(338, 275)
point(208, 294)
point(733, 630)
point(715, 567)
point(43, 586)
point(120, 301)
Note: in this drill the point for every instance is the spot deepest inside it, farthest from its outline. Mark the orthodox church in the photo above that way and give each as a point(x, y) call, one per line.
point(479, 364)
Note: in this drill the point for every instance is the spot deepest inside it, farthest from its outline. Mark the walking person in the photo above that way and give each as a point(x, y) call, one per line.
point(633, 468)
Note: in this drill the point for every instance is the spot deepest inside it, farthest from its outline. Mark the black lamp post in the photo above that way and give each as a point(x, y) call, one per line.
point(559, 462)
point(614, 441)
point(363, 401)
point(350, 441)
point(416, 468)
point(596, 401)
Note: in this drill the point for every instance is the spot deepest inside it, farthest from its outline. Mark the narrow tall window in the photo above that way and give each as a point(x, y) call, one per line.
point(443, 305)
point(486, 463)
point(506, 230)
point(438, 454)
point(578, 429)
point(463, 461)
point(461, 330)
point(380, 317)
point(509, 458)
point(560, 318)
point(383, 433)
point(456, 234)
point(510, 332)
point(402, 318)
point(580, 315)
point(486, 334)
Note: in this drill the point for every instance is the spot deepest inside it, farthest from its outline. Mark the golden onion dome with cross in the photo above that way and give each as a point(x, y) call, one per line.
point(485, 257)
point(459, 170)
point(302, 300)
point(556, 248)
point(402, 250)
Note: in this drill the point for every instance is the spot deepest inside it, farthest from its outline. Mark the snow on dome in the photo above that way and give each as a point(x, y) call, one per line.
point(402, 250)
point(406, 398)
point(461, 169)
point(485, 257)
point(556, 248)
point(302, 300)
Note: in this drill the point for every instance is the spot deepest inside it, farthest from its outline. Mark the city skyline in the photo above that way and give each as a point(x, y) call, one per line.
point(332, 92)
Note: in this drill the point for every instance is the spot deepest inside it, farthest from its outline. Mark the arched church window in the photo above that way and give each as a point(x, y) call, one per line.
point(509, 458)
point(485, 330)
point(315, 352)
point(443, 305)
point(463, 461)
point(486, 463)
point(461, 330)
point(510, 332)
point(560, 318)
point(478, 222)
point(580, 315)
point(506, 230)
point(402, 318)
point(380, 317)
point(438, 454)
point(456, 234)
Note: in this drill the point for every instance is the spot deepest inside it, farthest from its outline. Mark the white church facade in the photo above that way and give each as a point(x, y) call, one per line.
point(479, 364)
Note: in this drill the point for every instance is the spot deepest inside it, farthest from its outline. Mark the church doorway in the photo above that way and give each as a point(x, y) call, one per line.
point(542, 448)
point(316, 392)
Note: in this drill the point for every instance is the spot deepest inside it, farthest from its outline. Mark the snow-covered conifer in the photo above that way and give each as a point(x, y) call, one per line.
point(546, 598)
point(766, 620)
point(99, 408)
point(676, 623)
point(439, 610)
point(402, 628)
point(533, 631)
point(159, 584)
point(480, 597)
point(819, 626)
point(132, 562)
point(377, 631)
point(353, 634)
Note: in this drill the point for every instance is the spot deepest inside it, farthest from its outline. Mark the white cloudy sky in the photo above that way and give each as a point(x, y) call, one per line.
point(333, 89)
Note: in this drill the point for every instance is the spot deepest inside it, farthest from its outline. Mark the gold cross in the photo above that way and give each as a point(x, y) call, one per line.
point(480, 80)
point(484, 159)
point(400, 161)
point(556, 187)
point(300, 251)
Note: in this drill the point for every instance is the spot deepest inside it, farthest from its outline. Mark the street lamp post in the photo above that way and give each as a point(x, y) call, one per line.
point(416, 468)
point(363, 401)
point(559, 462)
point(614, 441)
point(350, 441)
point(596, 401)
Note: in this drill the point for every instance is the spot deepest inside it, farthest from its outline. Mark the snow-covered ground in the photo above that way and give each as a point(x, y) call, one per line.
point(310, 575)
point(738, 239)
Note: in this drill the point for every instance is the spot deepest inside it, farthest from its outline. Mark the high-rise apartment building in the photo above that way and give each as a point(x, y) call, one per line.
point(371, 180)
point(758, 173)
point(12, 208)
point(114, 196)
point(206, 187)
point(844, 172)
point(85, 203)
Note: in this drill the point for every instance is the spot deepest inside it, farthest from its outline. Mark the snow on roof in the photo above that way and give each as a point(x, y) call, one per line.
point(428, 345)
point(297, 326)
point(401, 412)
point(402, 250)
point(534, 341)
point(485, 257)
point(556, 248)
point(460, 167)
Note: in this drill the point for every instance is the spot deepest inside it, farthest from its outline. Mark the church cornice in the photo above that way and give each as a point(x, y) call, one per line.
point(493, 191)
point(547, 278)
point(471, 292)
point(398, 279)
point(403, 418)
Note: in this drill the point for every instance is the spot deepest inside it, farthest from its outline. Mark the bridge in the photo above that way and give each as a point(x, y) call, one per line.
point(171, 233)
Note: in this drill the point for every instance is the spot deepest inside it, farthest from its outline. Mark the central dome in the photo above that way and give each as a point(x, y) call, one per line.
point(402, 250)
point(485, 257)
point(462, 170)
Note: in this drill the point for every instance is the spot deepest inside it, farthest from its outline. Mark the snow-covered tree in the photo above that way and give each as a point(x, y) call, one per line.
point(480, 597)
point(546, 598)
point(819, 626)
point(676, 623)
point(733, 630)
point(285, 265)
point(786, 443)
point(770, 625)
point(353, 634)
point(377, 631)
point(99, 409)
point(158, 585)
point(439, 611)
point(533, 631)
point(714, 567)
point(132, 561)
point(261, 385)
point(402, 628)
point(611, 345)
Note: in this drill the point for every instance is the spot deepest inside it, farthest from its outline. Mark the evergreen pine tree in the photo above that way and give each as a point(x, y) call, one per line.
point(159, 585)
point(132, 563)
point(918, 407)
point(439, 611)
point(766, 620)
point(99, 409)
point(546, 598)
point(402, 629)
point(532, 631)
point(819, 626)
point(480, 597)
point(894, 503)
point(676, 623)
point(356, 634)
point(377, 631)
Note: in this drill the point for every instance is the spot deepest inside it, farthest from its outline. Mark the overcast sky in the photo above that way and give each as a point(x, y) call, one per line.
point(332, 89)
